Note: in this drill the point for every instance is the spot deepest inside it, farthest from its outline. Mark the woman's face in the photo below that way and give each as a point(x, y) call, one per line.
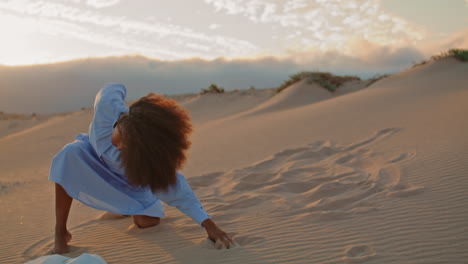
point(117, 138)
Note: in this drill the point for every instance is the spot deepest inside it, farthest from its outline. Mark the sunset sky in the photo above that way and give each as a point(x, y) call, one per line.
point(58, 30)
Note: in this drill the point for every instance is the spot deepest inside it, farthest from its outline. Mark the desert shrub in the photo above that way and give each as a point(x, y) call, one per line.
point(325, 79)
point(292, 80)
point(459, 54)
point(212, 89)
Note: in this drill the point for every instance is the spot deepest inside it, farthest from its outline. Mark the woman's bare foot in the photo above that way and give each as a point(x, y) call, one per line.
point(61, 242)
point(144, 221)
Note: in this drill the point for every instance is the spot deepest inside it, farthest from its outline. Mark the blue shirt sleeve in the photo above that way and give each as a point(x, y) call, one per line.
point(182, 197)
point(108, 106)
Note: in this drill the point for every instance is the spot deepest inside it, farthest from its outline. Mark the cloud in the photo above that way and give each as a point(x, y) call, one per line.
point(456, 40)
point(125, 35)
point(102, 3)
point(321, 20)
point(214, 26)
point(298, 28)
point(366, 60)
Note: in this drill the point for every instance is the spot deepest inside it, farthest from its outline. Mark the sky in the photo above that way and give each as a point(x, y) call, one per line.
point(375, 31)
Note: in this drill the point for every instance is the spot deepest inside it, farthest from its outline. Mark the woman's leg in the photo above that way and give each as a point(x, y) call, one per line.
point(144, 221)
point(62, 207)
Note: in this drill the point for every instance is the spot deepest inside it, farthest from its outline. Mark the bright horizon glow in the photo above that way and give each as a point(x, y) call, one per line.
point(38, 32)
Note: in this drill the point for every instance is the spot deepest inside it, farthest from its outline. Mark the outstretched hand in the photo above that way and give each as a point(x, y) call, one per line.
point(218, 236)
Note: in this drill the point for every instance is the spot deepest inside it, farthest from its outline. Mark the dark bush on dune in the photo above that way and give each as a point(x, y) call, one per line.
point(212, 89)
point(459, 54)
point(325, 79)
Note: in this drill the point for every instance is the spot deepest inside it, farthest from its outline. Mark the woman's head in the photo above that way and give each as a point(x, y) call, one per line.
point(153, 138)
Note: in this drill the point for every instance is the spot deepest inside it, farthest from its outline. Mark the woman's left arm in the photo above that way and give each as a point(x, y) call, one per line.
point(108, 105)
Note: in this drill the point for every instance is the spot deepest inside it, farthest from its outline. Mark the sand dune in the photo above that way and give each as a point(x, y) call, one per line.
point(373, 176)
point(213, 106)
point(12, 123)
point(299, 94)
point(303, 93)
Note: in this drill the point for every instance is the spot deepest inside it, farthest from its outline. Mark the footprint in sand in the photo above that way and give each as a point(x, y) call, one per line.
point(358, 254)
point(380, 135)
point(204, 180)
point(245, 186)
point(256, 177)
point(290, 187)
point(405, 190)
point(387, 176)
point(322, 180)
point(402, 157)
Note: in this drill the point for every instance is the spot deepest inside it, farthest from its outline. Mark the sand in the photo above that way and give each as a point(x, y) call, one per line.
point(371, 175)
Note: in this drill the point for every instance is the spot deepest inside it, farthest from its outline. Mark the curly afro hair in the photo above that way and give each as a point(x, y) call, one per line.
point(155, 136)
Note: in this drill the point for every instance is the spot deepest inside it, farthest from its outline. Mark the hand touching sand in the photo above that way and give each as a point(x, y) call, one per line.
point(217, 235)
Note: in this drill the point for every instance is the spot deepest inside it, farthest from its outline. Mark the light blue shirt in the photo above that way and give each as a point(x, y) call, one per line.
point(108, 107)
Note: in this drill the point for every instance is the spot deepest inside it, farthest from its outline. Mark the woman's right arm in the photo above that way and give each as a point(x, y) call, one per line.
point(182, 197)
point(109, 104)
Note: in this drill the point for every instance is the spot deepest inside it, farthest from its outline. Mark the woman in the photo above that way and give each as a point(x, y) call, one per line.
point(127, 164)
